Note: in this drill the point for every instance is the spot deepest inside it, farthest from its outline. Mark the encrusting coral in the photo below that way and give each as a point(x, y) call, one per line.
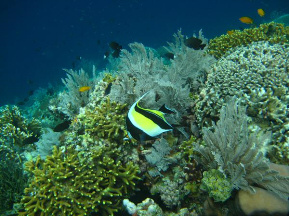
point(64, 184)
point(271, 32)
point(15, 129)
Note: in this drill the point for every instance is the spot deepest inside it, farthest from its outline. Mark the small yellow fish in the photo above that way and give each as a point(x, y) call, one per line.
point(229, 32)
point(261, 12)
point(84, 88)
point(246, 20)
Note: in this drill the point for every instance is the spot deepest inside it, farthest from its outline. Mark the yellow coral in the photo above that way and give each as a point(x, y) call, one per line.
point(272, 32)
point(63, 185)
point(106, 121)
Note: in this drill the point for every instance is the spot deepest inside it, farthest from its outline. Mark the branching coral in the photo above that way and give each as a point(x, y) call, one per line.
point(15, 129)
point(238, 154)
point(106, 121)
point(271, 32)
point(64, 184)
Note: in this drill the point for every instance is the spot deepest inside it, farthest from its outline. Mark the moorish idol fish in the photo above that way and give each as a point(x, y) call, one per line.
point(146, 124)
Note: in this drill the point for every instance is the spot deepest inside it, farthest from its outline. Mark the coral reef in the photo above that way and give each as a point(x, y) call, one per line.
point(64, 184)
point(258, 74)
point(17, 130)
point(271, 32)
point(239, 155)
point(93, 170)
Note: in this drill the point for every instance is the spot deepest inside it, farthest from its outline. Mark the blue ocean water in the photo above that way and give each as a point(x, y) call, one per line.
point(39, 38)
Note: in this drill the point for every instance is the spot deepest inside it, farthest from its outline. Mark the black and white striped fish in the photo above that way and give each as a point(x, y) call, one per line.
point(147, 124)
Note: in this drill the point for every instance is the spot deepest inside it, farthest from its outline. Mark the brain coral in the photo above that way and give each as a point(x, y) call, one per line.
point(257, 73)
point(64, 184)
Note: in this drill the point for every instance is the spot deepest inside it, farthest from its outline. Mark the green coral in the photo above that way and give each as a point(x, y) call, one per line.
point(271, 32)
point(15, 129)
point(217, 185)
point(65, 184)
point(106, 121)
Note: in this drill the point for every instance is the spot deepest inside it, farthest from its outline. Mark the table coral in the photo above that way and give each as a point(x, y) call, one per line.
point(271, 32)
point(15, 129)
point(62, 185)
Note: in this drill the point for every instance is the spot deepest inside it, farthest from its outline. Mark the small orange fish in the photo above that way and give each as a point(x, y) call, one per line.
point(246, 20)
point(84, 88)
point(229, 32)
point(261, 12)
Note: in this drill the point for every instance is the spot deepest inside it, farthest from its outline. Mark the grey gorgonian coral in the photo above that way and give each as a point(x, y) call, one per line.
point(239, 155)
point(142, 70)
